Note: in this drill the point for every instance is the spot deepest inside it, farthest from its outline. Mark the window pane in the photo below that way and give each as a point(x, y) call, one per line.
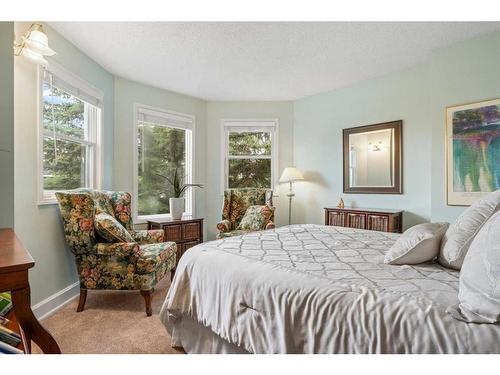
point(255, 143)
point(161, 153)
point(249, 173)
point(62, 112)
point(64, 164)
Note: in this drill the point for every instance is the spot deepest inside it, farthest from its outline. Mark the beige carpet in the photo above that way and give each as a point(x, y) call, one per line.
point(112, 322)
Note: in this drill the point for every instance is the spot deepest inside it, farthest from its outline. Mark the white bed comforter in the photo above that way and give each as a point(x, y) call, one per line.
point(320, 289)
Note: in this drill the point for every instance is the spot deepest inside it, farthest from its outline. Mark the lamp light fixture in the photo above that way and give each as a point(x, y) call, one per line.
point(375, 147)
point(34, 45)
point(289, 175)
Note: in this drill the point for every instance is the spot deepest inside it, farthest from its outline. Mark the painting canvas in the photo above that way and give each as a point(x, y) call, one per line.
point(473, 151)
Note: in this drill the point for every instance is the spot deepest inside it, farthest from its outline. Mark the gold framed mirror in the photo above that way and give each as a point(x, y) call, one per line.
point(372, 159)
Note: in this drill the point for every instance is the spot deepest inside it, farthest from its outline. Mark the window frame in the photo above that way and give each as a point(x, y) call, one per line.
point(190, 138)
point(256, 124)
point(95, 128)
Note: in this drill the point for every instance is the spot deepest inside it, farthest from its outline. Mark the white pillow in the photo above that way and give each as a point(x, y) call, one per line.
point(479, 288)
point(417, 244)
point(458, 237)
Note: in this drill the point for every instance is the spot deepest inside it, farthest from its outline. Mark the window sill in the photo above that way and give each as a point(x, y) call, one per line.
point(143, 219)
point(47, 202)
point(274, 194)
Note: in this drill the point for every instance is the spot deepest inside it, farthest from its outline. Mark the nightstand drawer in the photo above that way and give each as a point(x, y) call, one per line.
point(336, 219)
point(191, 231)
point(356, 220)
point(378, 222)
point(173, 232)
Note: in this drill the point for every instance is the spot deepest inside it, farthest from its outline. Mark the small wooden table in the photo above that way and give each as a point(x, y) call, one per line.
point(186, 232)
point(15, 261)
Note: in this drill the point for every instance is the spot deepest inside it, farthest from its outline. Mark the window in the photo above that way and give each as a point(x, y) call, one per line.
point(250, 153)
point(164, 150)
point(69, 133)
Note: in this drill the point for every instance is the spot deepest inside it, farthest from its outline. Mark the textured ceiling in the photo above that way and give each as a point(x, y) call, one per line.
point(260, 60)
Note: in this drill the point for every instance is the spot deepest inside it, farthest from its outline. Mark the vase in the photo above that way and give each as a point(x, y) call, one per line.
point(176, 208)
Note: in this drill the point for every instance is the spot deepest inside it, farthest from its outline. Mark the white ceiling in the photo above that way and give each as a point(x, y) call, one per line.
point(260, 60)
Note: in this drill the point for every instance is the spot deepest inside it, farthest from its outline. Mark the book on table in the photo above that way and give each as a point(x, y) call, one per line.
point(5, 303)
point(9, 349)
point(9, 337)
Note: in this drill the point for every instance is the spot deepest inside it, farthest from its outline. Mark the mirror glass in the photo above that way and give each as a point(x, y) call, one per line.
point(371, 159)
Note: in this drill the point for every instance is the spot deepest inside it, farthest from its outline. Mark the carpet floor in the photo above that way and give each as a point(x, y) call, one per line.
point(112, 322)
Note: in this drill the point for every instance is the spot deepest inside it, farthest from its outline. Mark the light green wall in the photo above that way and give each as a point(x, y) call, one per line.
point(6, 125)
point(217, 111)
point(127, 93)
point(319, 121)
point(39, 227)
point(468, 71)
point(463, 73)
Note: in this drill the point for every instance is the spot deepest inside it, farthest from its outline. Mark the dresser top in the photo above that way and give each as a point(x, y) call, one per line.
point(168, 220)
point(13, 255)
point(359, 209)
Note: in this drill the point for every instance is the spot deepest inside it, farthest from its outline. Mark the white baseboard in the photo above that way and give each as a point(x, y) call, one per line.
point(51, 304)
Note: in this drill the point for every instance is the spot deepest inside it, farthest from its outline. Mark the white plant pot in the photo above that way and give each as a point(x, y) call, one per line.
point(176, 208)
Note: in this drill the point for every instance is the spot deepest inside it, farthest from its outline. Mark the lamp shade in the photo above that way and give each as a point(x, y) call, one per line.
point(38, 42)
point(291, 174)
point(34, 56)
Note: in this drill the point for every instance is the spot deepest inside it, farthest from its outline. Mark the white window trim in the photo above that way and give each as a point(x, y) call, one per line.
point(190, 160)
point(96, 165)
point(249, 122)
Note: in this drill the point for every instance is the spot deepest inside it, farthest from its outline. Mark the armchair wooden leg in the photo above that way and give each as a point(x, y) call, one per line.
point(147, 299)
point(81, 302)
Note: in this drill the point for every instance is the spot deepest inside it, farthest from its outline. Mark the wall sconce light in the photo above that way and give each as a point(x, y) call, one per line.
point(376, 147)
point(34, 45)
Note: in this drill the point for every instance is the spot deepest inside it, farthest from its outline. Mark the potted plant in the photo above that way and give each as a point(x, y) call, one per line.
point(177, 202)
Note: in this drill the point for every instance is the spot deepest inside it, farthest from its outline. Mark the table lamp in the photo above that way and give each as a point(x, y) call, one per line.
point(290, 174)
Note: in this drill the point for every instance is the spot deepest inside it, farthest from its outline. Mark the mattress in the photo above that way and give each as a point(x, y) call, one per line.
point(318, 289)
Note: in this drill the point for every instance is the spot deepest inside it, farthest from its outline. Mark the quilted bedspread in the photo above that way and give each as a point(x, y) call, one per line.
point(320, 289)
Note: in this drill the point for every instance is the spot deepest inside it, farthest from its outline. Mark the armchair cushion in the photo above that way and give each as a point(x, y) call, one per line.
point(256, 218)
point(118, 249)
point(154, 256)
point(148, 236)
point(233, 233)
point(110, 229)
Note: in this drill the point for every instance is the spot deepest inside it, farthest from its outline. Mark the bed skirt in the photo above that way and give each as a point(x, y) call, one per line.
point(195, 338)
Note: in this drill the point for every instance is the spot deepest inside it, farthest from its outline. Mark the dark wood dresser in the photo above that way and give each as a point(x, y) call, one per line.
point(364, 218)
point(186, 232)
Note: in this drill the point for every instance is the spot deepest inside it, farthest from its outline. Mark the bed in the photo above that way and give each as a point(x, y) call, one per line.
point(315, 289)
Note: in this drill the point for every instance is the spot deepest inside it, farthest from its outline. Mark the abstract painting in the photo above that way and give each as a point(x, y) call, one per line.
point(473, 151)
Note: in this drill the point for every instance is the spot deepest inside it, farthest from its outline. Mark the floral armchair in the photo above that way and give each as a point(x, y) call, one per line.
point(137, 264)
point(236, 203)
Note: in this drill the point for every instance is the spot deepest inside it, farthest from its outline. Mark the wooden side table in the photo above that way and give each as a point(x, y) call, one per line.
point(15, 261)
point(186, 232)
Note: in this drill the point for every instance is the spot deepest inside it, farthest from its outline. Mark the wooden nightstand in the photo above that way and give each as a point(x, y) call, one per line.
point(364, 218)
point(186, 232)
